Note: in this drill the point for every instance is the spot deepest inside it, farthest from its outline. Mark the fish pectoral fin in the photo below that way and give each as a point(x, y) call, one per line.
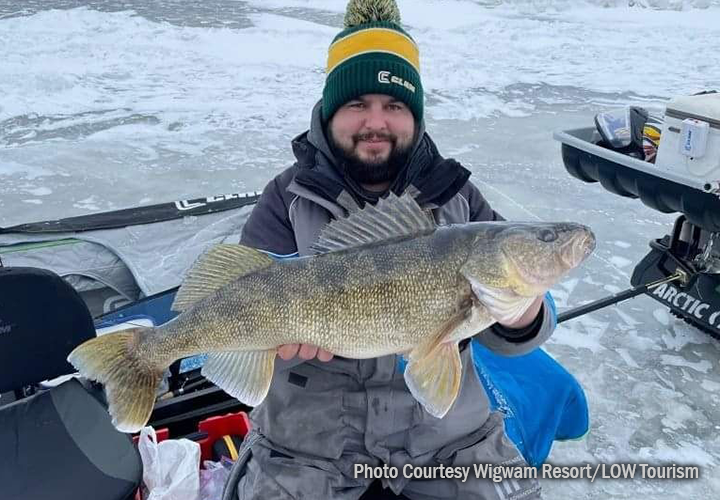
point(434, 367)
point(245, 375)
point(216, 268)
point(434, 380)
point(502, 304)
point(445, 333)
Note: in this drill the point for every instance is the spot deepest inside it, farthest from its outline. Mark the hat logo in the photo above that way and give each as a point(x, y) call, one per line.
point(388, 78)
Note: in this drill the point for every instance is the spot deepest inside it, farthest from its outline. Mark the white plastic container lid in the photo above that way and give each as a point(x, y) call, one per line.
point(703, 107)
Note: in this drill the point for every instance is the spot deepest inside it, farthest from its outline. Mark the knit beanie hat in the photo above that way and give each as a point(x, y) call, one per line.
point(372, 55)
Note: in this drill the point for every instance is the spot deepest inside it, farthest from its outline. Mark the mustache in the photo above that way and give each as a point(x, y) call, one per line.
point(374, 136)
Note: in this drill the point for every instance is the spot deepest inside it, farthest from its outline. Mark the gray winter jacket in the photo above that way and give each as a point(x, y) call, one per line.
point(362, 408)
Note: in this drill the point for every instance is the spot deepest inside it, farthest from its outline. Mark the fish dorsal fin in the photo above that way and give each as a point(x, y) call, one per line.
point(216, 268)
point(392, 217)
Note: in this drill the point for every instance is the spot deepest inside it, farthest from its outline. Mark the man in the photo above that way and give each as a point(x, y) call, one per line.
point(324, 413)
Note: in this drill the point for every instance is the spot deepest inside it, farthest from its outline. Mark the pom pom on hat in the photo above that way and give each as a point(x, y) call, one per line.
point(367, 11)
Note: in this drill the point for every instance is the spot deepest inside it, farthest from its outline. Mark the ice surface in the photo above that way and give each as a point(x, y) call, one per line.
point(106, 105)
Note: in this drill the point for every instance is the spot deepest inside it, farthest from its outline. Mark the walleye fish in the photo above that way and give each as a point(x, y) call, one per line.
point(385, 280)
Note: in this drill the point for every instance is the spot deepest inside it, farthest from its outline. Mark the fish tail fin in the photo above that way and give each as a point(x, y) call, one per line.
point(130, 381)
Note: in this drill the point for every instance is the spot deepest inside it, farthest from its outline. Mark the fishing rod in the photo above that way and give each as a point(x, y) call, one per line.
point(618, 297)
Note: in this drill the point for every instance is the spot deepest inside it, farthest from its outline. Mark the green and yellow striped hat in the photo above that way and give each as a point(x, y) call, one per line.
point(373, 55)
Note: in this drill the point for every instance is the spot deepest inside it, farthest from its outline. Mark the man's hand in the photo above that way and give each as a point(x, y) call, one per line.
point(303, 351)
point(527, 317)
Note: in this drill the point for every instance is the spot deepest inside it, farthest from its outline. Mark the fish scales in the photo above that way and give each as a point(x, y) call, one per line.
point(356, 303)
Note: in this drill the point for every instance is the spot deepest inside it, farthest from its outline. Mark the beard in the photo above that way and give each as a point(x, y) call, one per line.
point(373, 171)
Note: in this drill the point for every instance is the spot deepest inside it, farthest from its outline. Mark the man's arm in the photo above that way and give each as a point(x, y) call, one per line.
point(536, 324)
point(268, 227)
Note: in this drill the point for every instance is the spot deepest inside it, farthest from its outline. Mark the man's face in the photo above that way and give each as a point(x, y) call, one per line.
point(373, 135)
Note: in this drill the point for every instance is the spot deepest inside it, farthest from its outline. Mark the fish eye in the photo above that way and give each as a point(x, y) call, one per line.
point(547, 235)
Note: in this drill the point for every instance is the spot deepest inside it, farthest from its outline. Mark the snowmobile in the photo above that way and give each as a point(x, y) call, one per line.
point(672, 164)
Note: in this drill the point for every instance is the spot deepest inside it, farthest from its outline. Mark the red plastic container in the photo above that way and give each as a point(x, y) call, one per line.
point(216, 427)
